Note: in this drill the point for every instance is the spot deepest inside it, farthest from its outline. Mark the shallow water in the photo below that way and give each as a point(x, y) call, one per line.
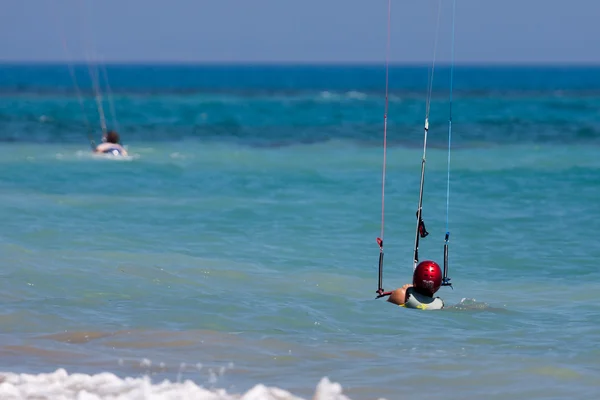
point(249, 258)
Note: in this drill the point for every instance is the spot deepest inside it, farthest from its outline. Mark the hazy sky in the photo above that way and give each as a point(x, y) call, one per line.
point(299, 30)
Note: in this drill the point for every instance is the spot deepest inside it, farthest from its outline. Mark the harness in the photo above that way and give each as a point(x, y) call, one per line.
point(416, 300)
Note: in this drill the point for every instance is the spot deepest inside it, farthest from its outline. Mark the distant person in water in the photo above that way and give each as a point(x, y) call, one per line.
point(427, 279)
point(110, 144)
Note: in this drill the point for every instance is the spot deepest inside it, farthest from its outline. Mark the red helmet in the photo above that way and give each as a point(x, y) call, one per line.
point(427, 278)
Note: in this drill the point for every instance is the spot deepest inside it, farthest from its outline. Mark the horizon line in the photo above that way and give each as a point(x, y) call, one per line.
point(304, 63)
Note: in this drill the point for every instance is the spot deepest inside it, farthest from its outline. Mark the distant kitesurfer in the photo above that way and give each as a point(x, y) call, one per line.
point(110, 144)
point(427, 279)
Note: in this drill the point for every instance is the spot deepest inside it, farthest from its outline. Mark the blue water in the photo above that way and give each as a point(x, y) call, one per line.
point(237, 247)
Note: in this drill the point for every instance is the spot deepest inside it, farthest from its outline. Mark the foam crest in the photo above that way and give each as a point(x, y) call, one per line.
point(60, 385)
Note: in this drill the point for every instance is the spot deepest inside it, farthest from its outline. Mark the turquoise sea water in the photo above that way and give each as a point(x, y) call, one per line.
point(237, 246)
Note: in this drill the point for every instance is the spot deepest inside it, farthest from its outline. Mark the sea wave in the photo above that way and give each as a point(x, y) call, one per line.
point(62, 385)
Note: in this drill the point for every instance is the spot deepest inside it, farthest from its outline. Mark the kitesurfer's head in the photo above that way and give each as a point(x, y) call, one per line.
point(427, 278)
point(111, 137)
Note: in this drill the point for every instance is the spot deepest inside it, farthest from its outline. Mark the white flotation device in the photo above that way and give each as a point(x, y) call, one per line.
point(113, 151)
point(421, 302)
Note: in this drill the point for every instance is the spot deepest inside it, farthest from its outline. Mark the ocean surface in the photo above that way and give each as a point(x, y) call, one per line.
point(234, 254)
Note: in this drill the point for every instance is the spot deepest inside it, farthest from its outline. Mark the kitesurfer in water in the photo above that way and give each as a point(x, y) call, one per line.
point(110, 144)
point(427, 279)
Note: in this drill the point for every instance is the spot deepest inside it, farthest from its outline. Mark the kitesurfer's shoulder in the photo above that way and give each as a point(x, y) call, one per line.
point(398, 296)
point(110, 147)
point(110, 144)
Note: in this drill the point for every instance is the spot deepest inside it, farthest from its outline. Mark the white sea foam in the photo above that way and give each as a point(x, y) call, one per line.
point(60, 385)
point(353, 94)
point(335, 96)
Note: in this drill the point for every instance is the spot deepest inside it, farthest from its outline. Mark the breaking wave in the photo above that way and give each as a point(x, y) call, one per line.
point(62, 385)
